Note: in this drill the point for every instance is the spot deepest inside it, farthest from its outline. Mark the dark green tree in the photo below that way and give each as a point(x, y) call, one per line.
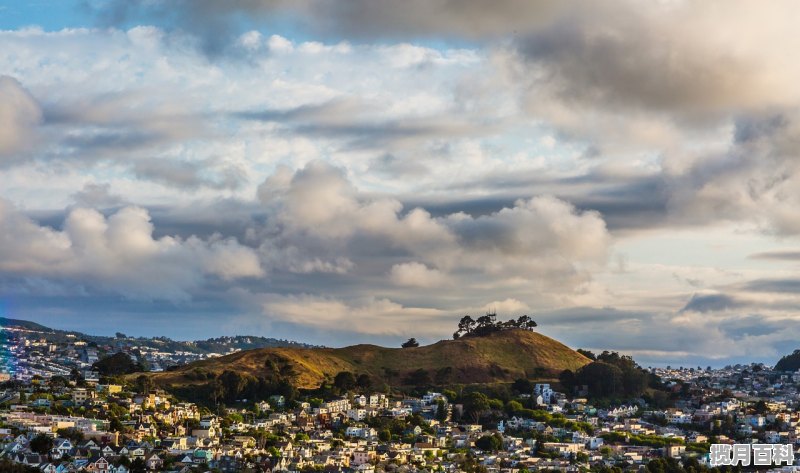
point(587, 354)
point(364, 381)
point(490, 443)
point(41, 444)
point(418, 377)
point(476, 404)
point(522, 386)
point(344, 381)
point(117, 364)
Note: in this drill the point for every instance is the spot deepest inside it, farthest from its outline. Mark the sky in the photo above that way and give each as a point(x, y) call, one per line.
point(365, 171)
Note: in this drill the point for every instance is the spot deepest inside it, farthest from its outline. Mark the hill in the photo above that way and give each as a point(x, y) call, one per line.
point(497, 357)
point(789, 362)
point(24, 325)
point(218, 345)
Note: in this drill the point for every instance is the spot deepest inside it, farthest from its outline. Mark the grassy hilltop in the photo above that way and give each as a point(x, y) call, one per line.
point(497, 357)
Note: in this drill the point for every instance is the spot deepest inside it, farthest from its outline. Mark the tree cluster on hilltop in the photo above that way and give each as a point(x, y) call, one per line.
point(486, 324)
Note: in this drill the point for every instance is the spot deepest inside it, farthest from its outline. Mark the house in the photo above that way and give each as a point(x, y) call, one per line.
point(543, 393)
point(98, 465)
point(153, 462)
point(361, 457)
point(61, 447)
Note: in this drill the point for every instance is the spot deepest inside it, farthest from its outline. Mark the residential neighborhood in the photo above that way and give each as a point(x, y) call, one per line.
point(62, 420)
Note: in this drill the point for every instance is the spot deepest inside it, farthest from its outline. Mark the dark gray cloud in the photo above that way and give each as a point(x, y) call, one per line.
point(97, 196)
point(391, 165)
point(190, 174)
point(362, 125)
point(778, 255)
point(625, 202)
point(786, 286)
point(753, 326)
point(101, 143)
point(711, 303)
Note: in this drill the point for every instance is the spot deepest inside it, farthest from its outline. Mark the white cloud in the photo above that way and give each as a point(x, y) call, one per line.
point(20, 115)
point(118, 254)
point(416, 275)
point(371, 316)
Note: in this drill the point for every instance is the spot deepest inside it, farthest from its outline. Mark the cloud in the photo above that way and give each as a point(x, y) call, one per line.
point(670, 58)
point(318, 207)
point(415, 160)
point(360, 19)
point(20, 115)
point(190, 174)
point(371, 316)
point(96, 196)
point(118, 254)
point(416, 274)
point(791, 286)
point(778, 255)
point(684, 338)
point(710, 303)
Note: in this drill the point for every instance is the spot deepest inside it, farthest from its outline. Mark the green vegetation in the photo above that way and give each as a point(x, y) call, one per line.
point(116, 365)
point(8, 466)
point(789, 362)
point(490, 443)
point(484, 325)
point(645, 440)
point(41, 444)
point(611, 375)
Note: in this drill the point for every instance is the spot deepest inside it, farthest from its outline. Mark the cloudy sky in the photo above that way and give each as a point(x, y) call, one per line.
point(341, 171)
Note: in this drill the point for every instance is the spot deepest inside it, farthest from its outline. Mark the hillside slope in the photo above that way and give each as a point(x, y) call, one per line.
point(501, 356)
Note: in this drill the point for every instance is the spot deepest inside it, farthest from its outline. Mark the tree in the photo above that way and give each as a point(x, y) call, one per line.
point(513, 407)
point(603, 379)
point(490, 443)
point(41, 444)
point(419, 377)
point(522, 386)
point(76, 377)
point(138, 466)
point(217, 390)
point(587, 354)
point(567, 380)
point(144, 384)
point(410, 343)
point(117, 364)
point(57, 383)
point(476, 404)
point(364, 381)
point(441, 411)
point(487, 324)
point(344, 381)
point(71, 433)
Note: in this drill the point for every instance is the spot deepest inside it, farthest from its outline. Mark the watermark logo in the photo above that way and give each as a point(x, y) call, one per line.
point(745, 454)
